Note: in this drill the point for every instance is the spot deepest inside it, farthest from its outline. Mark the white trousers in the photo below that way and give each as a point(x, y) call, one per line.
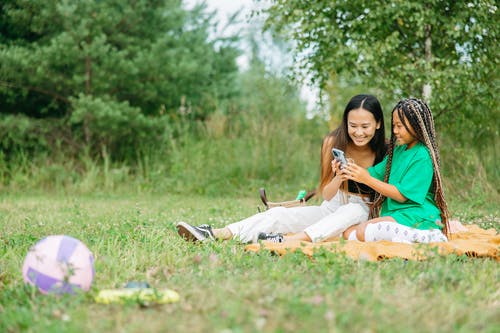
point(318, 222)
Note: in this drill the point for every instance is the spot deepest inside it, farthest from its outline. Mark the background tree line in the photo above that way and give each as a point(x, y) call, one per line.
point(443, 51)
point(108, 73)
point(112, 94)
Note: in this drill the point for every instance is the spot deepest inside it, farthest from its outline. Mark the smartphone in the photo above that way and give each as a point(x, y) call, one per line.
point(339, 156)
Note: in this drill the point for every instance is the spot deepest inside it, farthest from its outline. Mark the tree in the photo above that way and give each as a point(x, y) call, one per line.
point(132, 59)
point(445, 51)
point(146, 52)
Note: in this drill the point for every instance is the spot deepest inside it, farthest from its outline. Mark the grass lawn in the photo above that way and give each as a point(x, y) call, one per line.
point(222, 287)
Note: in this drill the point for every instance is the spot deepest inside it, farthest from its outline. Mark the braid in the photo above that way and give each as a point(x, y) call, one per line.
point(419, 116)
point(379, 198)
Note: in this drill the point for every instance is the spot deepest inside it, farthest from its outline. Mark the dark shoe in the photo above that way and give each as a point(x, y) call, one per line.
point(274, 238)
point(196, 234)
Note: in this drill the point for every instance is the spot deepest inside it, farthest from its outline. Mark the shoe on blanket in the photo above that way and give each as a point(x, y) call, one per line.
point(273, 238)
point(200, 233)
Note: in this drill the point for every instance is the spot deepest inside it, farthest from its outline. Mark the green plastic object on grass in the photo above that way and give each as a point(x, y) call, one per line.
point(137, 292)
point(301, 195)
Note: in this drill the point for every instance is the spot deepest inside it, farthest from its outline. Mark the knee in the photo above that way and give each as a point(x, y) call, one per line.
point(278, 212)
point(272, 210)
point(347, 233)
point(359, 231)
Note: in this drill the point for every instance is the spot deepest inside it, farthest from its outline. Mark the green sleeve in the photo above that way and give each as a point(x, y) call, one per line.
point(378, 170)
point(416, 181)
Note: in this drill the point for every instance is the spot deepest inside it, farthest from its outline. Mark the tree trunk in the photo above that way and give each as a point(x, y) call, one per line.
point(427, 88)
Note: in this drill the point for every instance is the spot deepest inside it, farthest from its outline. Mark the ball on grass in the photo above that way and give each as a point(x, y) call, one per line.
point(59, 264)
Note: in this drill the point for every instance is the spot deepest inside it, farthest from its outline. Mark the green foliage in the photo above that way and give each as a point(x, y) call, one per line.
point(115, 127)
point(258, 139)
point(104, 96)
point(400, 46)
point(149, 53)
point(113, 72)
point(20, 133)
point(387, 41)
point(261, 139)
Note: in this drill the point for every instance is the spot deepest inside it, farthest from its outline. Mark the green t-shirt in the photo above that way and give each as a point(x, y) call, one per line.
point(411, 172)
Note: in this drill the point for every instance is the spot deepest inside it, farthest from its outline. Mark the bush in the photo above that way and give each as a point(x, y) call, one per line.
point(115, 128)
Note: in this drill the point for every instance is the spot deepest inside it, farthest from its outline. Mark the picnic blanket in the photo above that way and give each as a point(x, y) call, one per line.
point(470, 240)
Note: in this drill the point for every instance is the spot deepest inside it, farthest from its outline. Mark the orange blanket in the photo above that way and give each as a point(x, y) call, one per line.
point(465, 239)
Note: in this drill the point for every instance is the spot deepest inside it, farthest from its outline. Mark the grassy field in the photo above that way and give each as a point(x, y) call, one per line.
point(222, 287)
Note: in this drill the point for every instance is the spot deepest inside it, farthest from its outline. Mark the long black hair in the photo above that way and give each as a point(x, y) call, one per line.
point(339, 137)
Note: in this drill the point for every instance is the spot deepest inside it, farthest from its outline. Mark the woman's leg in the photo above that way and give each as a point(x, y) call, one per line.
point(222, 233)
point(274, 220)
point(299, 236)
point(334, 224)
point(360, 228)
point(279, 220)
point(396, 232)
point(386, 228)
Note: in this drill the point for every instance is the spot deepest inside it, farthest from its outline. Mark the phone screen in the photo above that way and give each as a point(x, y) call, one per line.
point(339, 156)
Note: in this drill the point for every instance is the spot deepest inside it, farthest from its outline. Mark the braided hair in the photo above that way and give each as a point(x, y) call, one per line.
point(416, 117)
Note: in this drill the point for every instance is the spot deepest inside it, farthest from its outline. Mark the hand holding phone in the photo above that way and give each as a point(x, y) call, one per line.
point(339, 156)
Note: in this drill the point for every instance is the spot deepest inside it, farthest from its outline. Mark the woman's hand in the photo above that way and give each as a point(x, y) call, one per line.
point(355, 172)
point(330, 190)
point(336, 168)
point(361, 175)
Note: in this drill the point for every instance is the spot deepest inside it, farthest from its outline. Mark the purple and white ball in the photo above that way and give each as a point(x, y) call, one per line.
point(59, 264)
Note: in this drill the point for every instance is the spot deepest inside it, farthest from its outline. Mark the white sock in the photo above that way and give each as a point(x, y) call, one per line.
point(395, 232)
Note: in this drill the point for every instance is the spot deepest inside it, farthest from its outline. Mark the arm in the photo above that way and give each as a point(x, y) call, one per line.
point(328, 184)
point(331, 188)
point(361, 175)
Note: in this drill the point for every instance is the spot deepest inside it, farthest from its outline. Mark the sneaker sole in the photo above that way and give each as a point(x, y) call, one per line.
point(189, 233)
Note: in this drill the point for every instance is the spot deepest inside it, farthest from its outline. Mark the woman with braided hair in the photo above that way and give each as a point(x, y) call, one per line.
point(410, 205)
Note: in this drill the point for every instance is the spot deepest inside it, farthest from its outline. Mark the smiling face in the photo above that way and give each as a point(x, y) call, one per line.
point(361, 126)
point(403, 136)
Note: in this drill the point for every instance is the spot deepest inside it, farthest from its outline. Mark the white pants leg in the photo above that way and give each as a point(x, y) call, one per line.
point(355, 212)
point(395, 232)
point(283, 220)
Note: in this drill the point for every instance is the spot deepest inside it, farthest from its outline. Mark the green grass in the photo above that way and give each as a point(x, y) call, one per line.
point(222, 287)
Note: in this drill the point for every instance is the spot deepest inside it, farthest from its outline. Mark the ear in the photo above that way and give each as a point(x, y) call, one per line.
point(378, 125)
